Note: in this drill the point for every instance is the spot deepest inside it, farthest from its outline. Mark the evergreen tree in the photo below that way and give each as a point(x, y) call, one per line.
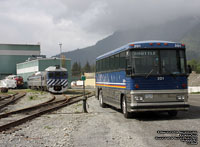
point(87, 67)
point(76, 71)
point(93, 68)
point(79, 68)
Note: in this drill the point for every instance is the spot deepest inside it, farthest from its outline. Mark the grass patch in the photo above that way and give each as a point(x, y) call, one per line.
point(75, 91)
point(78, 105)
point(33, 97)
point(35, 91)
point(47, 127)
point(9, 92)
point(195, 93)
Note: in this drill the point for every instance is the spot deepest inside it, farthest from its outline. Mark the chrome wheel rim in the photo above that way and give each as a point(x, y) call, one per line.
point(100, 99)
point(124, 106)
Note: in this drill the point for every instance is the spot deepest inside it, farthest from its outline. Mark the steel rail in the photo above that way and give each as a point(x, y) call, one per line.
point(26, 109)
point(14, 98)
point(7, 96)
point(67, 102)
point(49, 102)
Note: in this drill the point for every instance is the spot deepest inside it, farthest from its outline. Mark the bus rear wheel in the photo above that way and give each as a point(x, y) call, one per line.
point(124, 108)
point(173, 113)
point(101, 103)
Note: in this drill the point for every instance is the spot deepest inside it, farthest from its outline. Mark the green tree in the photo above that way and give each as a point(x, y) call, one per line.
point(195, 65)
point(76, 69)
point(79, 68)
point(87, 67)
point(93, 68)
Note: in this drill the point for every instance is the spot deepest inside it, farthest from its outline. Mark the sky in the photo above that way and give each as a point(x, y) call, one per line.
point(81, 23)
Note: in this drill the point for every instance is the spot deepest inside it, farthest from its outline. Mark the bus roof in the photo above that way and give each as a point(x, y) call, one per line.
point(143, 44)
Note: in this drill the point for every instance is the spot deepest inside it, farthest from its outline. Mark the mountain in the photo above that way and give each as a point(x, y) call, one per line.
point(192, 41)
point(182, 29)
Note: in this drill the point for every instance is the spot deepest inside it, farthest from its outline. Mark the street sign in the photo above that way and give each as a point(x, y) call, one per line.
point(83, 78)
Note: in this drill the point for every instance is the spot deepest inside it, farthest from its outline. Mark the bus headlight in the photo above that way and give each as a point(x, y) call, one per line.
point(138, 98)
point(180, 97)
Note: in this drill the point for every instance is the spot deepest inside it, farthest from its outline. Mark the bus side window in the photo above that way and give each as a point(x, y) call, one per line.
point(111, 62)
point(97, 66)
point(116, 62)
point(128, 65)
point(122, 60)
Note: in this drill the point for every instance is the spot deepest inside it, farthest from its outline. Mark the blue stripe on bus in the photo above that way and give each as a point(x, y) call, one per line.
point(150, 83)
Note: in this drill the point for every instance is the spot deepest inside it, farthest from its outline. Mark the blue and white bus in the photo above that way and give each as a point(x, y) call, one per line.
point(144, 76)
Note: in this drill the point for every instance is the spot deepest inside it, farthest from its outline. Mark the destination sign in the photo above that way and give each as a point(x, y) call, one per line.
point(144, 53)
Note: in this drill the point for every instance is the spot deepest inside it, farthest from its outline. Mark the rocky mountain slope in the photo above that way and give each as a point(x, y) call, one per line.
point(186, 30)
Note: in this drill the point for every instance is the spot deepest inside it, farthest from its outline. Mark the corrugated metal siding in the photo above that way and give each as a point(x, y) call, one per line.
point(8, 63)
point(19, 47)
point(27, 64)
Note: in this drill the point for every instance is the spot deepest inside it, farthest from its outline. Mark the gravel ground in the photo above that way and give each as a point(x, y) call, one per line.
point(69, 127)
point(52, 129)
point(31, 99)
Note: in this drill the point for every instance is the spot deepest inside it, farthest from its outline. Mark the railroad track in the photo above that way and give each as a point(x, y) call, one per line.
point(3, 97)
point(23, 115)
point(10, 99)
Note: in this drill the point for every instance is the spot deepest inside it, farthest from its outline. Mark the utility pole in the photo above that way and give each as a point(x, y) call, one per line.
point(60, 44)
point(83, 78)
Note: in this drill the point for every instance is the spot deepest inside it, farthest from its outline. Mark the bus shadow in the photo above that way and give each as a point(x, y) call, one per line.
point(192, 113)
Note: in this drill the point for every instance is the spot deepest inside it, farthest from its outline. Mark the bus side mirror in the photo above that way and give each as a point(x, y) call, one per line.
point(128, 71)
point(189, 69)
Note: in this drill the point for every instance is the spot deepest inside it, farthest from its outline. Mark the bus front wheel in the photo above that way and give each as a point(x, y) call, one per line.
point(101, 103)
point(124, 108)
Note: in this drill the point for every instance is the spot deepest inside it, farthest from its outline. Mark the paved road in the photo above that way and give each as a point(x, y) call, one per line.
point(107, 127)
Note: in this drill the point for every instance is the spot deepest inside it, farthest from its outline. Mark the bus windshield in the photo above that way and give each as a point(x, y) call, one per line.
point(158, 62)
point(144, 61)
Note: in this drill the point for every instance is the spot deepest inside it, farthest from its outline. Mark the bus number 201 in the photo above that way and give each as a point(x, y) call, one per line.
point(160, 78)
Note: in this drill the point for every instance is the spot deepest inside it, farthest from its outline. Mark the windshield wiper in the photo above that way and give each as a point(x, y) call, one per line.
point(170, 73)
point(149, 73)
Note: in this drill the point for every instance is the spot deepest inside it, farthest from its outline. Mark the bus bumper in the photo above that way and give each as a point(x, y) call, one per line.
point(142, 107)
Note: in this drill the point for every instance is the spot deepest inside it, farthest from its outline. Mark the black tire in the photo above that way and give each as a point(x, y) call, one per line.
point(4, 90)
point(124, 108)
point(101, 103)
point(173, 113)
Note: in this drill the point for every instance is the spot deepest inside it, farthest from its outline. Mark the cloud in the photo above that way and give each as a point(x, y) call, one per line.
point(81, 23)
point(118, 14)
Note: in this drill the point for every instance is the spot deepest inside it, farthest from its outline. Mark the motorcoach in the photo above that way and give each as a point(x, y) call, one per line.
point(144, 76)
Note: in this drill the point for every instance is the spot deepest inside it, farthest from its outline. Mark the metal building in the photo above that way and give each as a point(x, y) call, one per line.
point(28, 68)
point(11, 54)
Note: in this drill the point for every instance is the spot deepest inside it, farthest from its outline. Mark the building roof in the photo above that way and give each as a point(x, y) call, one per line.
point(45, 59)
